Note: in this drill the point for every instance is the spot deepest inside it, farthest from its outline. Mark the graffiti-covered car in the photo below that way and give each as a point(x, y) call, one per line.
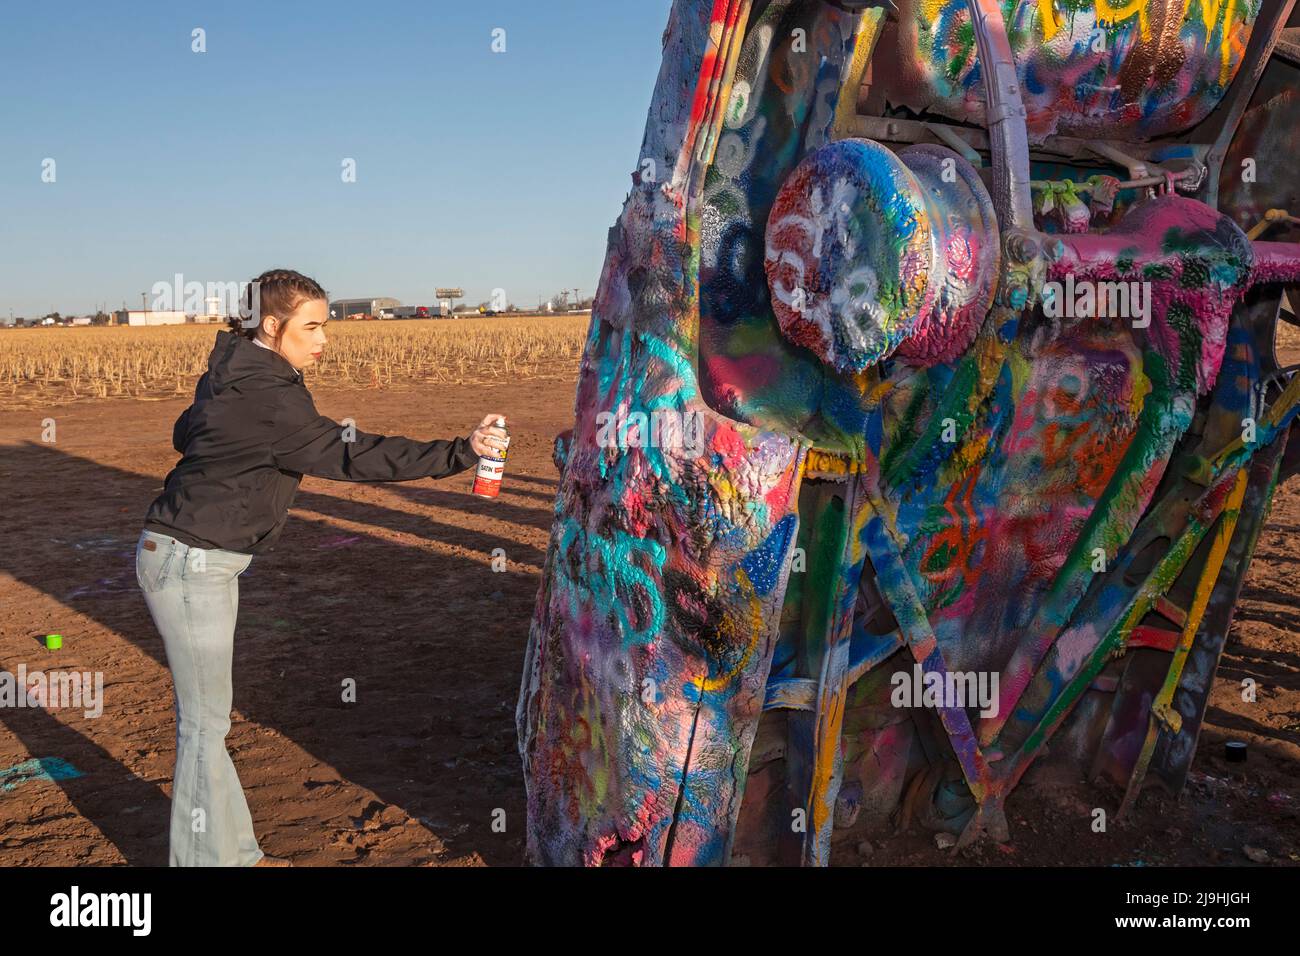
point(929, 412)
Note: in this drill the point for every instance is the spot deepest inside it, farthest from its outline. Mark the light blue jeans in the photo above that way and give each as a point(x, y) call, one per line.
point(193, 596)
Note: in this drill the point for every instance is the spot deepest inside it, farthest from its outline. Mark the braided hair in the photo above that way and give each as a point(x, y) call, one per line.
point(277, 292)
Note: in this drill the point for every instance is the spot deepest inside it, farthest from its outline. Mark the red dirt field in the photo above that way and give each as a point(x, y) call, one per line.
point(392, 585)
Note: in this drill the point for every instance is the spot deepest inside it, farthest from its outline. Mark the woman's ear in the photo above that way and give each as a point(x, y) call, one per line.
point(270, 324)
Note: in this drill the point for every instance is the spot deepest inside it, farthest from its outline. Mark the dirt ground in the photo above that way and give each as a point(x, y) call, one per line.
point(392, 585)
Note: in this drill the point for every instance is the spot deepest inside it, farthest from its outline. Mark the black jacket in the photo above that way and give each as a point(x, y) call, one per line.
point(251, 434)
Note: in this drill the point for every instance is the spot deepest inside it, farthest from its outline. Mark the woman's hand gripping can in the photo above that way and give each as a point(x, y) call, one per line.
point(491, 467)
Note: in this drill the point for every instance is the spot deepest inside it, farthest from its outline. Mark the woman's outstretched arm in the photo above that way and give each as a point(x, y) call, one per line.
point(308, 442)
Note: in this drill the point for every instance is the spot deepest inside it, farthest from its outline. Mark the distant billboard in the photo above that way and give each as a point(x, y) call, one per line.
point(449, 294)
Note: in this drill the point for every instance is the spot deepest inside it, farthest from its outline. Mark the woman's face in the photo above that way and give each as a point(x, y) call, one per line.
point(304, 332)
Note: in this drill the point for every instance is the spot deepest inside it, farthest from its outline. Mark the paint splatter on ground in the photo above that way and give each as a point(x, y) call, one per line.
point(412, 774)
point(37, 770)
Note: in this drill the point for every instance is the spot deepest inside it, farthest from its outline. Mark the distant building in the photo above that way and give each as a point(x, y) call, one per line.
point(342, 308)
point(213, 311)
point(151, 317)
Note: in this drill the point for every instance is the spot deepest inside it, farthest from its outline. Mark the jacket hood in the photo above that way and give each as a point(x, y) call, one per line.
point(236, 359)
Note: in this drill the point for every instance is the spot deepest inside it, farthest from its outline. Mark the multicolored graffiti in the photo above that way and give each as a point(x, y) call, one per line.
point(1087, 67)
point(938, 446)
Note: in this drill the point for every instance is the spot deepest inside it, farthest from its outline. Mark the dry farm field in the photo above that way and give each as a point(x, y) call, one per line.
point(44, 366)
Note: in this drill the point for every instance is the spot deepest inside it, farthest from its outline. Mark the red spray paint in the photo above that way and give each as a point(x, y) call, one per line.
point(487, 480)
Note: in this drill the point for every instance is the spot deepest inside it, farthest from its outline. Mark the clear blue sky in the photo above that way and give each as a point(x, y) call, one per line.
point(474, 168)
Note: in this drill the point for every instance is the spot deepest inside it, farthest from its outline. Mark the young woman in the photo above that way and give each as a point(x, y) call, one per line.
point(251, 434)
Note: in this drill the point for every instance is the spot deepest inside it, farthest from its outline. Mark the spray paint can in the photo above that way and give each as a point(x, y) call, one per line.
point(487, 481)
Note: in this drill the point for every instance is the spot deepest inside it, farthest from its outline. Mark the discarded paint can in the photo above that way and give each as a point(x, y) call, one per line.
point(53, 642)
point(487, 480)
point(1235, 751)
